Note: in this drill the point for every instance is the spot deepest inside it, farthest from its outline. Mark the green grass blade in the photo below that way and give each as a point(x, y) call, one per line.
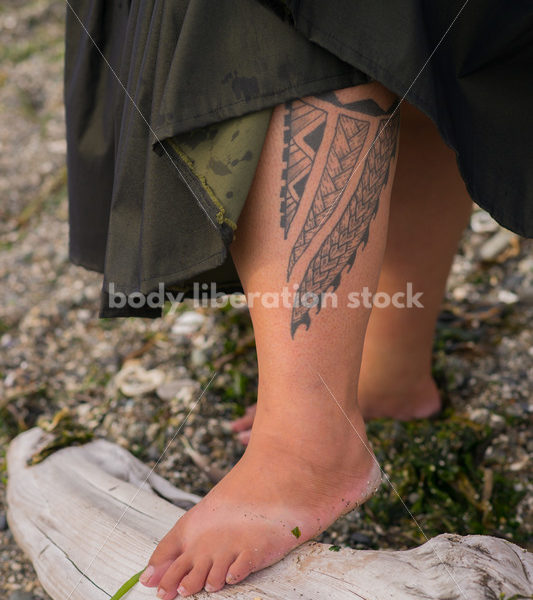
point(124, 589)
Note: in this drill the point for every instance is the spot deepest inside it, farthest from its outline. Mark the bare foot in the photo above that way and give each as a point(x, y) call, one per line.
point(291, 484)
point(418, 401)
point(403, 403)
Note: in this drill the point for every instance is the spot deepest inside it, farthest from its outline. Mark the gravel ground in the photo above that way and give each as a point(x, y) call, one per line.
point(55, 353)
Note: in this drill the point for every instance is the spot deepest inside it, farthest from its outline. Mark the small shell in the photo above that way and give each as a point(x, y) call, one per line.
point(133, 380)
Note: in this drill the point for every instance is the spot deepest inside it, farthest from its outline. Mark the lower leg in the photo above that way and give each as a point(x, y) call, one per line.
point(308, 460)
point(429, 210)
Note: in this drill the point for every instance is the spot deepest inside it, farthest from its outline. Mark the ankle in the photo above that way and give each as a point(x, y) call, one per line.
point(330, 442)
point(403, 383)
point(410, 399)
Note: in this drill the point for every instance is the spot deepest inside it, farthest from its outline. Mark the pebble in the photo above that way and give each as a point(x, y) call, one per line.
point(174, 388)
point(198, 357)
point(134, 380)
point(21, 595)
point(153, 453)
point(497, 422)
point(507, 297)
point(482, 222)
point(496, 244)
point(360, 538)
point(135, 431)
point(525, 266)
point(188, 323)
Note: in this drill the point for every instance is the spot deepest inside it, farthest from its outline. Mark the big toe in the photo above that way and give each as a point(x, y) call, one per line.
point(152, 575)
point(167, 551)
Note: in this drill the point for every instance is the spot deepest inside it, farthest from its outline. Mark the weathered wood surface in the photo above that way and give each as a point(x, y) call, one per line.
point(64, 511)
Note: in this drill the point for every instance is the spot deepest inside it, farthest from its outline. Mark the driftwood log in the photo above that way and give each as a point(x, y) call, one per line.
point(64, 511)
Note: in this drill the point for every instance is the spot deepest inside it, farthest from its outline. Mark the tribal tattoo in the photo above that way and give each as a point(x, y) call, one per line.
point(306, 126)
point(350, 135)
point(304, 129)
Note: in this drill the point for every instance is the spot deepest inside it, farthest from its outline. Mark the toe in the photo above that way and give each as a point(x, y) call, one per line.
point(244, 437)
point(217, 575)
point(172, 578)
point(153, 573)
point(168, 549)
point(194, 581)
point(245, 422)
point(240, 568)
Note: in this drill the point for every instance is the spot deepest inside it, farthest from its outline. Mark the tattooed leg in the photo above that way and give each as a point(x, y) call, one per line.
point(308, 460)
point(395, 379)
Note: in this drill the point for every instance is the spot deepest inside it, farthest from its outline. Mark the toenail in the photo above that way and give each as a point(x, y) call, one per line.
point(146, 575)
point(182, 591)
point(210, 588)
point(230, 578)
point(161, 593)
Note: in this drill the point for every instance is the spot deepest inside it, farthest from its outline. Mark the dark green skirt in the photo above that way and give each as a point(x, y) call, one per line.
point(164, 133)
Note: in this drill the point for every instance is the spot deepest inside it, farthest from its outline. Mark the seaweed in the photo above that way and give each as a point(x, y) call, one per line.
point(439, 475)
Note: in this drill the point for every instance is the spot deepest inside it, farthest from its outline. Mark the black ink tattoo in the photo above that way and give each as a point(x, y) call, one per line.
point(367, 106)
point(304, 130)
point(348, 140)
point(339, 249)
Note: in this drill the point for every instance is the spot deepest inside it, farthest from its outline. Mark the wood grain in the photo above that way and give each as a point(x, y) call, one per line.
point(64, 512)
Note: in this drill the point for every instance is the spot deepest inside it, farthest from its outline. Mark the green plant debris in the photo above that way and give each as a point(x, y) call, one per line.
point(439, 470)
point(229, 346)
point(124, 589)
point(238, 411)
point(3, 327)
point(334, 548)
point(296, 532)
point(95, 378)
point(65, 431)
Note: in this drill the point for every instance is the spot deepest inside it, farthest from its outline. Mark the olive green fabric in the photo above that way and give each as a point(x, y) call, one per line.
point(147, 206)
point(223, 157)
